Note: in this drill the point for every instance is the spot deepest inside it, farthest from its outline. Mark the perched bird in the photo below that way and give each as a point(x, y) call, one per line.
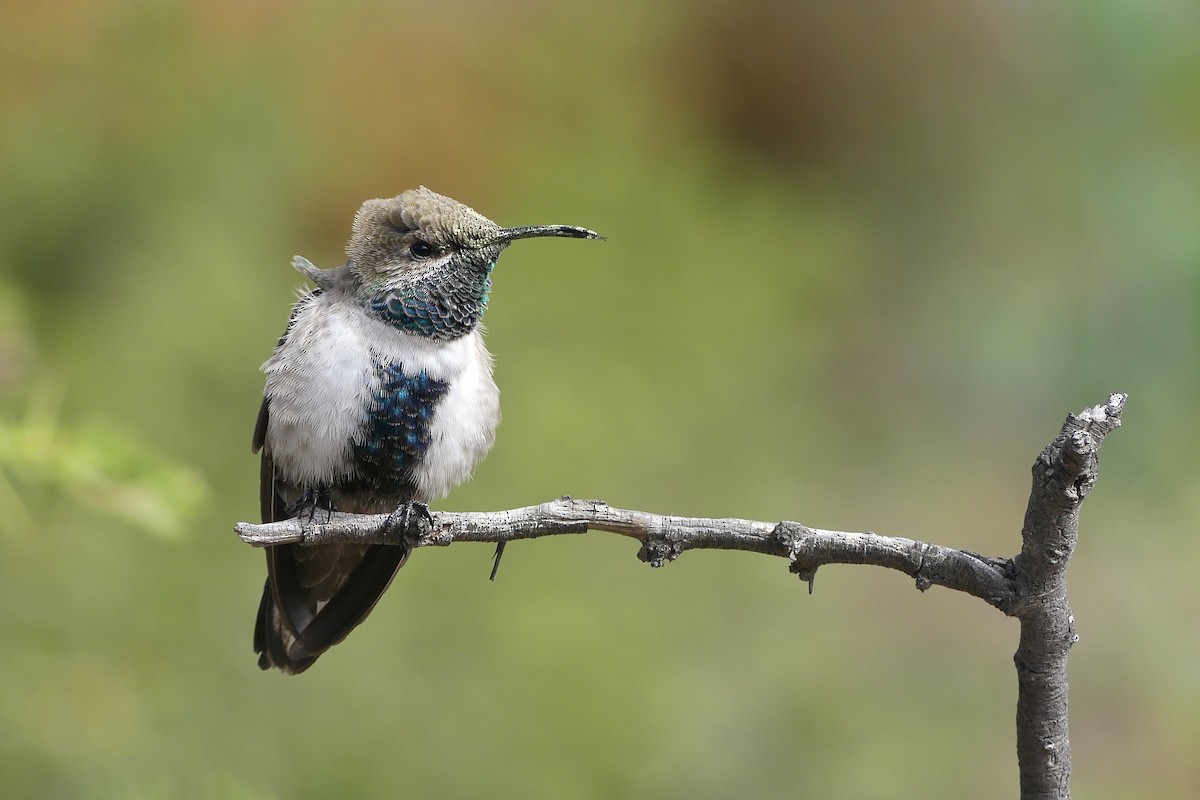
point(379, 398)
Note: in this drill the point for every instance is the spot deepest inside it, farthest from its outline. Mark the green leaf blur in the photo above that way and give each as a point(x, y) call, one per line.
point(862, 259)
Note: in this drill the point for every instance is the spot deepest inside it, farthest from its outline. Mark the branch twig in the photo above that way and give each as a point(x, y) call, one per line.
point(664, 538)
point(1031, 587)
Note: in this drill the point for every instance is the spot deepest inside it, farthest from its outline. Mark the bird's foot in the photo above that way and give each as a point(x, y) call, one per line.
point(313, 500)
point(410, 521)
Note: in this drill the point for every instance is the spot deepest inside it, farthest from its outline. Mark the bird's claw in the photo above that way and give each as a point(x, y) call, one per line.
point(405, 521)
point(305, 508)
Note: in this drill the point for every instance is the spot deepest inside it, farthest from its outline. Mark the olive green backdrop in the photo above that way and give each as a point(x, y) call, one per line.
point(862, 259)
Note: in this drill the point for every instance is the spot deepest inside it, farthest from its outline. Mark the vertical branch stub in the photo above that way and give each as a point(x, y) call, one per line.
point(1064, 473)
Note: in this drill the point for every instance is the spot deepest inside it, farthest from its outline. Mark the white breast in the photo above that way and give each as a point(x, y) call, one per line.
point(464, 424)
point(321, 380)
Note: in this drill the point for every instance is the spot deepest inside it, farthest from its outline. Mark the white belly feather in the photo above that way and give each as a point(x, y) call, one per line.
point(322, 379)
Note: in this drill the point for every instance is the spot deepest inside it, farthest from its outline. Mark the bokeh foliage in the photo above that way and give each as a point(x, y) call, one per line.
point(862, 259)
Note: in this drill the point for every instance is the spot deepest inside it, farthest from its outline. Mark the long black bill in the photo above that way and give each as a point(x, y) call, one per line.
point(531, 231)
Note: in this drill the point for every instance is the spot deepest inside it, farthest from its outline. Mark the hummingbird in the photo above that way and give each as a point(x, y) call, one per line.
point(379, 399)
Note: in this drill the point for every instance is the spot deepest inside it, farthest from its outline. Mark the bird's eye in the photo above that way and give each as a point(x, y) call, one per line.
point(421, 250)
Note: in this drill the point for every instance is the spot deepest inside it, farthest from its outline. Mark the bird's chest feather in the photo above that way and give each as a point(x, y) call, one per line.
point(354, 401)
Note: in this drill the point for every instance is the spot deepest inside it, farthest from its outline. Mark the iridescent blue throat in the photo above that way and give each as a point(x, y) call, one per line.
point(441, 306)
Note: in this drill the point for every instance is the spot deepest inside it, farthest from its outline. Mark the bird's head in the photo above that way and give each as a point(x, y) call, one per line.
point(423, 262)
point(420, 233)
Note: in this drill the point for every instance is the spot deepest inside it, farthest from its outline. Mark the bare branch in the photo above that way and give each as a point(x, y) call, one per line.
point(1031, 587)
point(664, 538)
point(1063, 475)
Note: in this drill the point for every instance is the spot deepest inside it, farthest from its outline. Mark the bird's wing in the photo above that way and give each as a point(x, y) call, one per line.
point(294, 637)
point(314, 596)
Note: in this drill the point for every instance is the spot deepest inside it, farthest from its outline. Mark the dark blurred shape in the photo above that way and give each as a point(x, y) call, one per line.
point(806, 82)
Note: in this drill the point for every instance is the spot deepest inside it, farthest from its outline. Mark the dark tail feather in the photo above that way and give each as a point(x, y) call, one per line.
point(288, 635)
point(289, 632)
point(354, 601)
point(268, 639)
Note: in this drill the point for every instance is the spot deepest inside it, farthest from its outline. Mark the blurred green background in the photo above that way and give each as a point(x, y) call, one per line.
point(862, 259)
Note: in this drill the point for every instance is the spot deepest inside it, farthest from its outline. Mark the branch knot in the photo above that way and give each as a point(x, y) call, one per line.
point(917, 554)
point(658, 550)
point(794, 538)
